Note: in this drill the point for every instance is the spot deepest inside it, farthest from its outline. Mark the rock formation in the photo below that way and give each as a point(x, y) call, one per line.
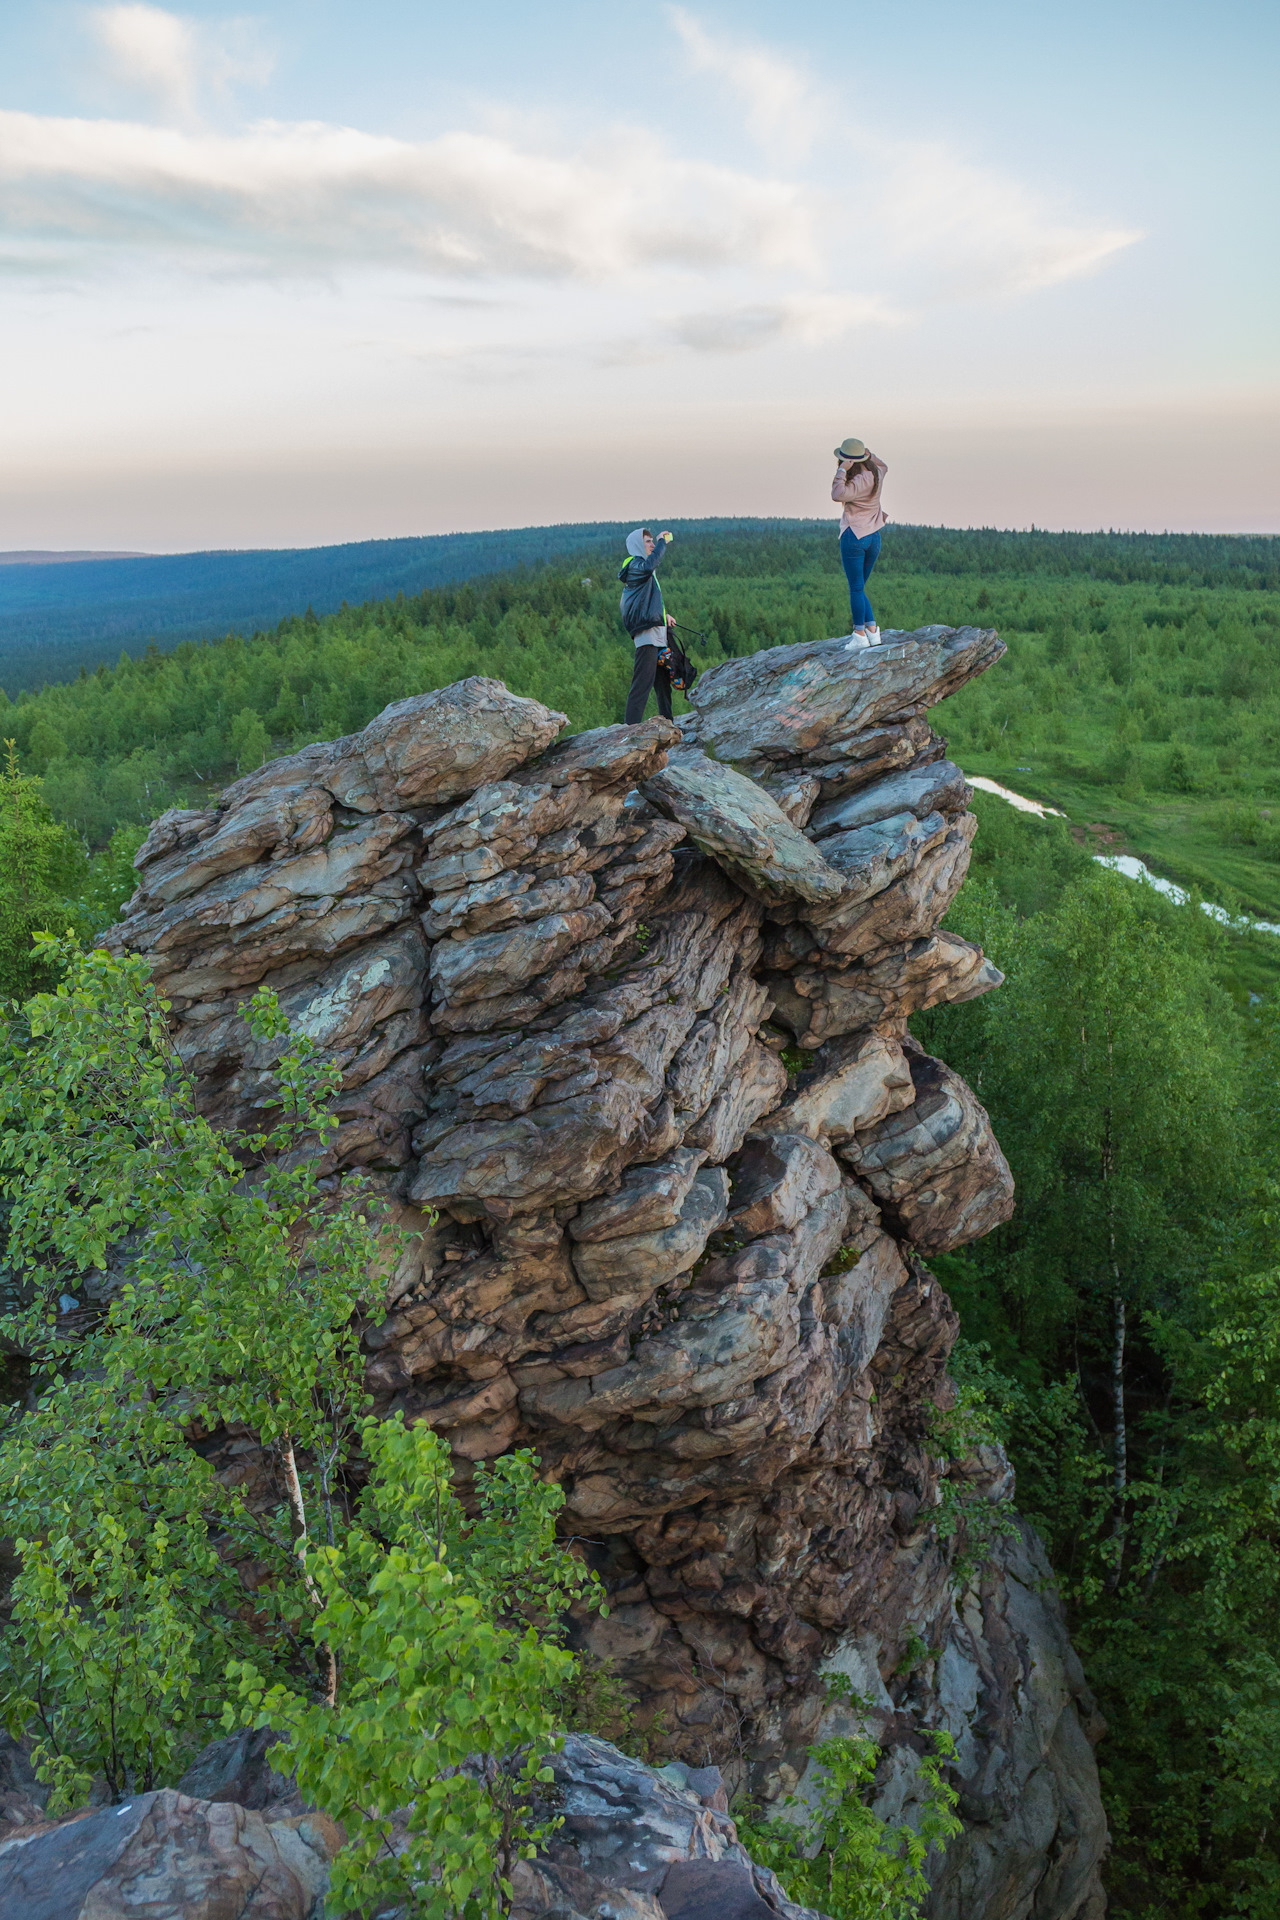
point(622, 1030)
point(634, 1843)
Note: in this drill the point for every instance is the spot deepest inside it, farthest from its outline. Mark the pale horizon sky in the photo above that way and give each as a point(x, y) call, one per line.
point(315, 272)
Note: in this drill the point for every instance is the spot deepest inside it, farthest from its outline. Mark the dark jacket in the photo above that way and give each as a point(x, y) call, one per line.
point(641, 595)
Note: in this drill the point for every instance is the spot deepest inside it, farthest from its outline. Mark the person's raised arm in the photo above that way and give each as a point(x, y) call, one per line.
point(648, 563)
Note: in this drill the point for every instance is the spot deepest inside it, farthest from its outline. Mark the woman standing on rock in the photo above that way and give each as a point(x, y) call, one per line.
point(856, 487)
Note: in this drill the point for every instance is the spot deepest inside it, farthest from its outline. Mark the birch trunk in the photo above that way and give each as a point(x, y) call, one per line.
point(298, 1508)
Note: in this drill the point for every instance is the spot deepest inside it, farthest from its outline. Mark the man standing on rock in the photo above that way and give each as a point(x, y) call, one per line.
point(645, 620)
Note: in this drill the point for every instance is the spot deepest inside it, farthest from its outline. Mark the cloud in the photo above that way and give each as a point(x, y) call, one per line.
point(811, 318)
point(973, 230)
point(783, 106)
point(462, 204)
point(172, 60)
point(960, 228)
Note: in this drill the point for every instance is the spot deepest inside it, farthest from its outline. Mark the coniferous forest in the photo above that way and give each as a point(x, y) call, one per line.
point(1121, 1334)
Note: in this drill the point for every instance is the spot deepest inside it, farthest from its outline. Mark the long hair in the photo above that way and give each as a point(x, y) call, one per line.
point(877, 478)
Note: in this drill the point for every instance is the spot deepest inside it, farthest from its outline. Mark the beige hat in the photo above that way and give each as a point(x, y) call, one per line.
point(852, 449)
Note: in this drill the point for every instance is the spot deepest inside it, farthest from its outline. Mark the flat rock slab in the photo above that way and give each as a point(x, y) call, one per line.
point(937, 788)
point(809, 702)
point(742, 828)
point(604, 756)
point(869, 859)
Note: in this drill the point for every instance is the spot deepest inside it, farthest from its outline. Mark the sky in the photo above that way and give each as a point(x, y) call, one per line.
point(321, 271)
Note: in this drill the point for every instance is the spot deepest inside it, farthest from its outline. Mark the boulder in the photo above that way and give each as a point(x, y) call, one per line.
point(685, 1278)
point(742, 827)
point(437, 745)
point(934, 1164)
point(177, 1855)
point(643, 1843)
point(812, 701)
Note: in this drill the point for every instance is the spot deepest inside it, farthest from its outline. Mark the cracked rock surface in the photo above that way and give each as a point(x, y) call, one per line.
point(564, 985)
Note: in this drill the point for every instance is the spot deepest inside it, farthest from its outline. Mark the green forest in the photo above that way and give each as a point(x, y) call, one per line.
point(1121, 1334)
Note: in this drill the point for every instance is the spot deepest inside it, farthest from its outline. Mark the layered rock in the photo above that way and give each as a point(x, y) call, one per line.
point(652, 1243)
point(630, 1842)
point(165, 1853)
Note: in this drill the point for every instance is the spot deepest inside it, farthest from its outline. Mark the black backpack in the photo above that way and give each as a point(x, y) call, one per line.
point(678, 664)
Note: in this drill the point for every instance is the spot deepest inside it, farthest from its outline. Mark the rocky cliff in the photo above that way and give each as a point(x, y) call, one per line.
point(621, 1021)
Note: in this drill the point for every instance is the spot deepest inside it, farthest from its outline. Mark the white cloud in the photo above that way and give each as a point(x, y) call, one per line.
point(973, 230)
point(465, 203)
point(814, 319)
point(174, 61)
point(958, 227)
point(783, 105)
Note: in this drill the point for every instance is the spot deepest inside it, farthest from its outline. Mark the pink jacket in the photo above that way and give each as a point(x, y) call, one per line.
point(862, 514)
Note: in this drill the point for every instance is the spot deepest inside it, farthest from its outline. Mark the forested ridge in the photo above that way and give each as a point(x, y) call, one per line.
point(57, 618)
point(1122, 1333)
point(1140, 684)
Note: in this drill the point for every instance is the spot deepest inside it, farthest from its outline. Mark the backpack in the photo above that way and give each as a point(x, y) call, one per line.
point(678, 664)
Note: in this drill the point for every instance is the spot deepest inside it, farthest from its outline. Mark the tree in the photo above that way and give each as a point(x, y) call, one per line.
point(445, 1632)
point(834, 1853)
point(226, 1283)
point(1134, 1302)
point(42, 867)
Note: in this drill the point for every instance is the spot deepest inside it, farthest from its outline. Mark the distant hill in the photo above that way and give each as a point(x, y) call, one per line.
point(44, 557)
point(59, 613)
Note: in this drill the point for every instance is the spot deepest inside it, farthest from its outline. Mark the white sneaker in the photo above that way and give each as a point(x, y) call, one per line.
point(873, 636)
point(856, 639)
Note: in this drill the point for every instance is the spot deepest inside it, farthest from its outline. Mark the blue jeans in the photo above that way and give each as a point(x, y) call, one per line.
point(859, 556)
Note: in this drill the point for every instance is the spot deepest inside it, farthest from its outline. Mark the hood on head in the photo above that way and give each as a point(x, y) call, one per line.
point(635, 544)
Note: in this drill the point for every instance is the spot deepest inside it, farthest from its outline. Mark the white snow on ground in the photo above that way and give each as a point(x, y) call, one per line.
point(1127, 864)
point(1018, 800)
point(1133, 869)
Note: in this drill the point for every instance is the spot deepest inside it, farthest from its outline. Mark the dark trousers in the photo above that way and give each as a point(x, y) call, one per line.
point(648, 674)
point(859, 556)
